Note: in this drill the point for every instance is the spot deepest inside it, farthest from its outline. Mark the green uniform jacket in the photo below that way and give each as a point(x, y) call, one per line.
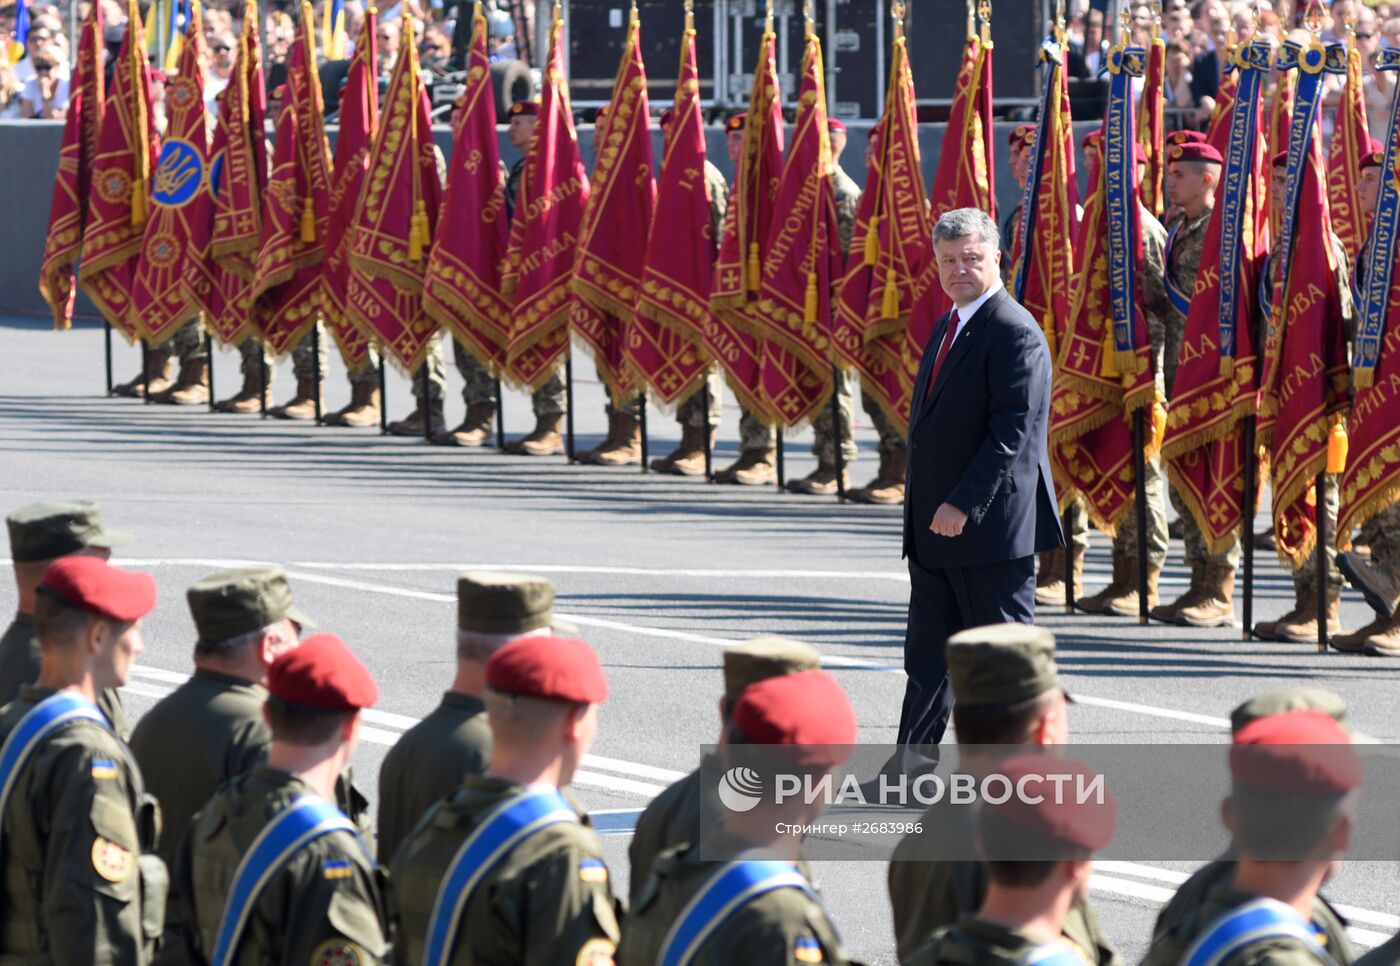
point(549, 902)
point(325, 905)
point(672, 819)
point(79, 884)
point(19, 665)
point(780, 926)
point(973, 942)
point(847, 205)
point(929, 894)
point(428, 763)
point(1169, 946)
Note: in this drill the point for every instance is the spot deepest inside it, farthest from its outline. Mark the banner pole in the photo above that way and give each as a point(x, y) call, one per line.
point(709, 434)
point(383, 401)
point(569, 404)
point(262, 377)
point(145, 373)
point(839, 432)
point(209, 351)
point(1067, 525)
point(1320, 516)
point(1251, 490)
point(425, 406)
point(316, 364)
point(108, 335)
point(1140, 508)
point(500, 416)
point(642, 427)
point(782, 483)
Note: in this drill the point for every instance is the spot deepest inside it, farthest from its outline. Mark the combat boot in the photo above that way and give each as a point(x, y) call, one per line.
point(413, 425)
point(1378, 584)
point(157, 368)
point(1117, 586)
point(688, 458)
point(544, 439)
point(1216, 606)
point(1304, 629)
point(1126, 605)
point(1268, 630)
point(1385, 642)
point(302, 405)
point(754, 467)
point(887, 489)
point(819, 482)
point(361, 411)
point(191, 387)
point(1195, 593)
point(608, 441)
point(1264, 540)
point(246, 400)
point(626, 447)
point(476, 428)
point(1049, 575)
point(1355, 641)
point(1052, 593)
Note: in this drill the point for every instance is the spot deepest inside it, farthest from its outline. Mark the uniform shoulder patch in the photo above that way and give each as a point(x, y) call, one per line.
point(104, 769)
point(805, 949)
point(592, 870)
point(338, 952)
point(111, 861)
point(596, 952)
point(337, 869)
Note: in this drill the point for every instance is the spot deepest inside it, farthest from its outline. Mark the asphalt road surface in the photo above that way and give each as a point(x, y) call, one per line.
point(660, 574)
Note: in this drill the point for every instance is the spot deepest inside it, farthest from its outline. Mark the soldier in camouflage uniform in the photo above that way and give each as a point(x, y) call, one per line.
point(190, 387)
point(323, 901)
point(1378, 579)
point(1299, 624)
point(250, 353)
point(78, 880)
point(1120, 597)
point(1007, 691)
point(542, 697)
point(807, 721)
point(1193, 172)
point(697, 421)
point(1291, 818)
point(1191, 896)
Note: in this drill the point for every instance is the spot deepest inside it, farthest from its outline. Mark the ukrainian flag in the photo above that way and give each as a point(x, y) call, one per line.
point(177, 18)
point(333, 39)
point(15, 48)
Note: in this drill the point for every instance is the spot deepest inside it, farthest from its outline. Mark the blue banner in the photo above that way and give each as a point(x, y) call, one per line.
point(1051, 61)
point(1120, 193)
point(1374, 284)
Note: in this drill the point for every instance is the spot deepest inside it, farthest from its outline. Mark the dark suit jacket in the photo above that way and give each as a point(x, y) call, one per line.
point(980, 442)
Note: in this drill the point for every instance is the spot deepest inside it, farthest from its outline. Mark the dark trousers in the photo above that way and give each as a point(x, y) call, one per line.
point(942, 602)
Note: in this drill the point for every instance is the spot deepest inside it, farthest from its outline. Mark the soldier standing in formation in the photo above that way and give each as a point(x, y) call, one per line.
point(505, 860)
point(309, 892)
point(77, 829)
point(40, 534)
point(433, 757)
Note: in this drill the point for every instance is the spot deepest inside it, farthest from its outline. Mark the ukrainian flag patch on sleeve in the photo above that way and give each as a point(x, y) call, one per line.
point(104, 769)
point(592, 870)
point(805, 949)
point(337, 869)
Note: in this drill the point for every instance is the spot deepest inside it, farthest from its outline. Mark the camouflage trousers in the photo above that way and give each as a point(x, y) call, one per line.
point(480, 385)
point(1126, 539)
point(1075, 521)
point(1382, 534)
point(1305, 578)
point(303, 356)
point(823, 439)
point(692, 411)
point(1196, 551)
point(186, 345)
point(754, 433)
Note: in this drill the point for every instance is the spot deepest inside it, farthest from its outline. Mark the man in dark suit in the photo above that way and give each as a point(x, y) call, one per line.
point(979, 501)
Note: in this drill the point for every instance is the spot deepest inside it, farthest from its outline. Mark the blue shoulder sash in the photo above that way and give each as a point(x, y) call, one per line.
point(1256, 921)
point(731, 888)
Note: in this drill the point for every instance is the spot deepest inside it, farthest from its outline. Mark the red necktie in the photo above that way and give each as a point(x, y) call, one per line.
point(942, 353)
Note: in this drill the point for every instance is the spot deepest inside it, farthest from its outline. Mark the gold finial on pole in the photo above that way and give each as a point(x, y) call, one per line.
point(971, 19)
point(984, 11)
point(689, 15)
point(809, 18)
point(1060, 36)
point(897, 12)
point(768, 18)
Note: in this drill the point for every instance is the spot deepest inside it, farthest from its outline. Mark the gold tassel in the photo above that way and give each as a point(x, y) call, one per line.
point(889, 299)
point(1363, 377)
point(1337, 448)
point(755, 270)
point(1227, 367)
point(415, 241)
point(308, 222)
point(809, 306)
point(138, 203)
point(872, 243)
point(1107, 365)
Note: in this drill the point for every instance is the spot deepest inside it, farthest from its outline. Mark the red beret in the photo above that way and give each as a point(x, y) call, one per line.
point(1092, 140)
point(1374, 156)
point(836, 125)
point(1304, 752)
point(667, 116)
point(601, 113)
point(807, 710)
point(322, 673)
point(1060, 815)
point(735, 123)
point(158, 77)
point(1194, 151)
point(1021, 134)
point(1280, 160)
point(554, 668)
point(94, 585)
point(1185, 137)
point(530, 108)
